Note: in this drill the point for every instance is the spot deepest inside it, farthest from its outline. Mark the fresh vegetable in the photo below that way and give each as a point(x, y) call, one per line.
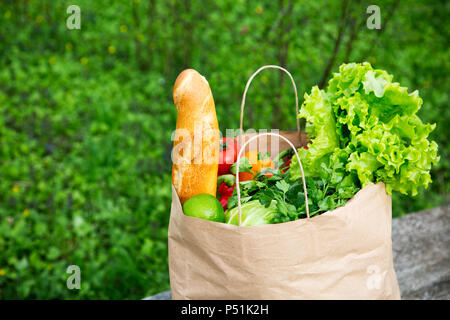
point(330, 190)
point(283, 160)
point(252, 164)
point(204, 206)
point(225, 187)
point(229, 149)
point(227, 179)
point(363, 128)
point(225, 192)
point(370, 124)
point(253, 213)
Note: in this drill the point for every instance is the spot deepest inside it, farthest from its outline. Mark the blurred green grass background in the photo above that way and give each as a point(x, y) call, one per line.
point(86, 117)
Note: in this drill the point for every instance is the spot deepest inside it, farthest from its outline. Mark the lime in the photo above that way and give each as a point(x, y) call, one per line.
point(204, 206)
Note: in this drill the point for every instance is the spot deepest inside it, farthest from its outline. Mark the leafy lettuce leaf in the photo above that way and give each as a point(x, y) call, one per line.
point(373, 122)
point(322, 134)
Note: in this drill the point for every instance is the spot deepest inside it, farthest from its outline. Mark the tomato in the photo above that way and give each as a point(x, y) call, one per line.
point(228, 153)
point(257, 165)
point(225, 192)
point(224, 202)
point(245, 176)
point(286, 166)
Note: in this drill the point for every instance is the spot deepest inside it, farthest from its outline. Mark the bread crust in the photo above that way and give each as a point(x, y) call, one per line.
point(196, 142)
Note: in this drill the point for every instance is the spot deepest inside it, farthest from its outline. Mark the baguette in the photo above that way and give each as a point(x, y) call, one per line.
point(196, 142)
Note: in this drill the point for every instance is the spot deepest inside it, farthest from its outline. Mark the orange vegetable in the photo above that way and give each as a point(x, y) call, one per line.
point(257, 166)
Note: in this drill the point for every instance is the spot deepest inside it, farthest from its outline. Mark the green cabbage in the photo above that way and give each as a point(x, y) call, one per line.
point(253, 213)
point(371, 122)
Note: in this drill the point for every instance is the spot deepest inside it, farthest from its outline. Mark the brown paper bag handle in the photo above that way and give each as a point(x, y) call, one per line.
point(238, 189)
point(248, 85)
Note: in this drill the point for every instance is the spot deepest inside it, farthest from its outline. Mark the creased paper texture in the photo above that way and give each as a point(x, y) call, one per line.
point(342, 254)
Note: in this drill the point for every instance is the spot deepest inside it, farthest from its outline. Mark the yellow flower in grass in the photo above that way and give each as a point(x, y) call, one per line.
point(7, 14)
point(52, 60)
point(123, 28)
point(111, 49)
point(26, 212)
point(140, 37)
point(259, 10)
point(264, 79)
point(15, 189)
point(84, 61)
point(2, 272)
point(69, 46)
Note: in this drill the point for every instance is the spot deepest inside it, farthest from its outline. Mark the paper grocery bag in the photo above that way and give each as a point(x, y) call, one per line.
point(342, 254)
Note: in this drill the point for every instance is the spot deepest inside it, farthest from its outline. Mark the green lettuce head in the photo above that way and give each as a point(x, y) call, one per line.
point(374, 121)
point(253, 214)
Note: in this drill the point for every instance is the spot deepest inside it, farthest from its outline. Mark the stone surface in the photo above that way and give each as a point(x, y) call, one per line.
point(166, 295)
point(421, 249)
